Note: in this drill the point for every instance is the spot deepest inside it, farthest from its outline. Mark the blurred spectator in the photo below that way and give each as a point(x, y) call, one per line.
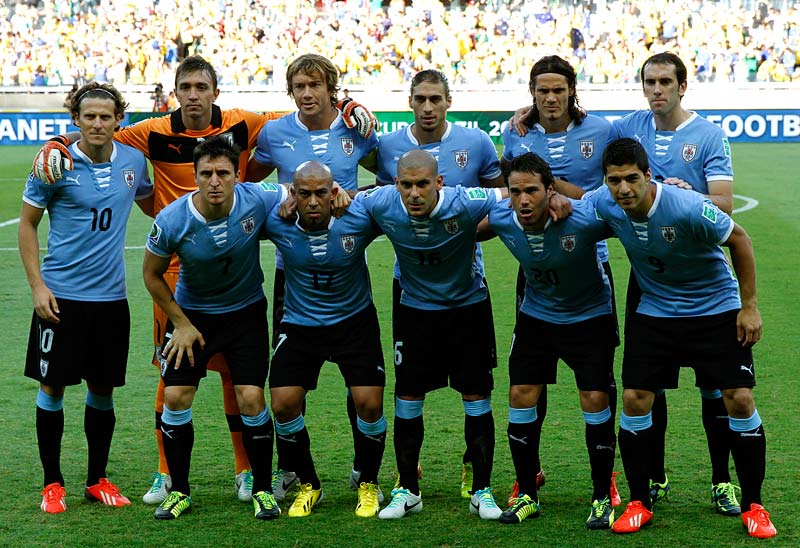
point(159, 99)
point(475, 42)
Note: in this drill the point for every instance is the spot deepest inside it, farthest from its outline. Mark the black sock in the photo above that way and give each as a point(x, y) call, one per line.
point(635, 448)
point(750, 456)
point(257, 441)
point(178, 444)
point(479, 436)
point(369, 453)
point(524, 452)
point(296, 449)
point(658, 439)
point(718, 436)
point(612, 398)
point(601, 444)
point(408, 437)
point(235, 423)
point(98, 425)
point(49, 431)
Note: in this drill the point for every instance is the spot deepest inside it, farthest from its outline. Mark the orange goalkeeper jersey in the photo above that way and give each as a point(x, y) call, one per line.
point(169, 146)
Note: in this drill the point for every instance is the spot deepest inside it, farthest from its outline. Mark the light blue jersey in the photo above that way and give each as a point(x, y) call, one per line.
point(697, 152)
point(220, 267)
point(465, 157)
point(565, 282)
point(286, 143)
point(675, 252)
point(575, 155)
point(89, 210)
point(435, 253)
point(326, 272)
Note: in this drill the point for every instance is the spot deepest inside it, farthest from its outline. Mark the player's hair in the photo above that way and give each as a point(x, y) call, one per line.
point(96, 90)
point(623, 152)
point(217, 147)
point(553, 64)
point(431, 76)
point(532, 163)
point(311, 64)
point(195, 63)
point(665, 58)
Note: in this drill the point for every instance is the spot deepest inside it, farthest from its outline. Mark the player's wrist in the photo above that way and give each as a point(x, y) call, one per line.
point(60, 139)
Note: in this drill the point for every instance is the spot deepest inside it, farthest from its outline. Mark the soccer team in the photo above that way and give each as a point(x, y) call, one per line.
point(667, 197)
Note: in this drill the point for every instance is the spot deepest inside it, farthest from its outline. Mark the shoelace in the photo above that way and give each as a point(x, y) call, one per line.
point(106, 485)
point(52, 493)
point(156, 480)
point(486, 497)
point(399, 496)
point(601, 507)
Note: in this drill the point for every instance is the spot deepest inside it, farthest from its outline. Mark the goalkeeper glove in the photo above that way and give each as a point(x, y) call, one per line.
point(52, 160)
point(356, 115)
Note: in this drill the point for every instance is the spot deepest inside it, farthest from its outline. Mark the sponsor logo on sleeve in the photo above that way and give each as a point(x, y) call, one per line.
point(710, 212)
point(269, 187)
point(477, 193)
point(155, 234)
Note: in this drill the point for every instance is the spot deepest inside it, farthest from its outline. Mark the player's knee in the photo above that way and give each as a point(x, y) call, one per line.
point(523, 396)
point(593, 401)
point(739, 402)
point(637, 402)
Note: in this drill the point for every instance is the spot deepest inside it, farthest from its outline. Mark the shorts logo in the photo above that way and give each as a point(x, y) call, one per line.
point(451, 225)
point(155, 234)
point(587, 149)
point(44, 365)
point(348, 243)
point(710, 212)
point(688, 152)
point(130, 177)
point(461, 158)
point(668, 233)
point(477, 193)
point(347, 145)
point(248, 225)
point(568, 243)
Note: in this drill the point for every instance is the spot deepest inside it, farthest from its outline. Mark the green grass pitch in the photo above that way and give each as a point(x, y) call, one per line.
point(765, 172)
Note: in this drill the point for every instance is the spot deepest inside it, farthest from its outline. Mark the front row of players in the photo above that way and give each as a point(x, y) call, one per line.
point(672, 238)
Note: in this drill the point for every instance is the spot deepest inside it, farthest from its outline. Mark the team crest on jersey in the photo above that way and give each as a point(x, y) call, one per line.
point(461, 158)
point(688, 152)
point(347, 145)
point(568, 243)
point(44, 365)
point(248, 225)
point(155, 234)
point(130, 177)
point(451, 225)
point(587, 149)
point(348, 243)
point(668, 233)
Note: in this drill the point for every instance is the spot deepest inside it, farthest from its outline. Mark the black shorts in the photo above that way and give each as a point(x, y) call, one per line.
point(90, 342)
point(397, 291)
point(242, 336)
point(354, 344)
point(434, 346)
point(587, 347)
point(656, 348)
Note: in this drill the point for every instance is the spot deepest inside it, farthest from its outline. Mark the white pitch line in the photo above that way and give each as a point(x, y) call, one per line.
point(750, 203)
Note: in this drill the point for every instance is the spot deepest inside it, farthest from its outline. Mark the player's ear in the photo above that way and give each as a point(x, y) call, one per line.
point(238, 174)
point(216, 94)
point(439, 182)
point(334, 191)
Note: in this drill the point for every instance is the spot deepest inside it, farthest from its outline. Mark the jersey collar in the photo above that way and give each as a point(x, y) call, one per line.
point(336, 121)
point(410, 134)
point(80, 154)
point(177, 125)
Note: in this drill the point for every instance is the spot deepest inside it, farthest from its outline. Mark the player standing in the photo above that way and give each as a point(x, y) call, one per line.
point(81, 322)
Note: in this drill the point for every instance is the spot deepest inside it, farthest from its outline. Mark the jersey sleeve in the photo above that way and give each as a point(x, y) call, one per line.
point(158, 241)
point(263, 152)
point(710, 224)
point(508, 139)
point(272, 195)
point(490, 165)
point(718, 165)
point(37, 193)
point(137, 135)
point(255, 123)
point(479, 200)
point(359, 212)
point(383, 176)
point(144, 186)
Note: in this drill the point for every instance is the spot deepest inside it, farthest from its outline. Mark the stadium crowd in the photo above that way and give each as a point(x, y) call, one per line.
point(476, 43)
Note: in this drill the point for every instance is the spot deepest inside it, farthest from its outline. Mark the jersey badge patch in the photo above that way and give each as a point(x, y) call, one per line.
point(248, 225)
point(269, 187)
point(710, 212)
point(688, 152)
point(477, 193)
point(668, 233)
point(155, 234)
point(726, 147)
point(44, 365)
point(348, 243)
point(461, 158)
point(568, 243)
point(451, 225)
point(347, 146)
point(130, 177)
point(587, 149)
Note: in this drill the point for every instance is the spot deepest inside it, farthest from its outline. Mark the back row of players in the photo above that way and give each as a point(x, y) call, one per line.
point(672, 236)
